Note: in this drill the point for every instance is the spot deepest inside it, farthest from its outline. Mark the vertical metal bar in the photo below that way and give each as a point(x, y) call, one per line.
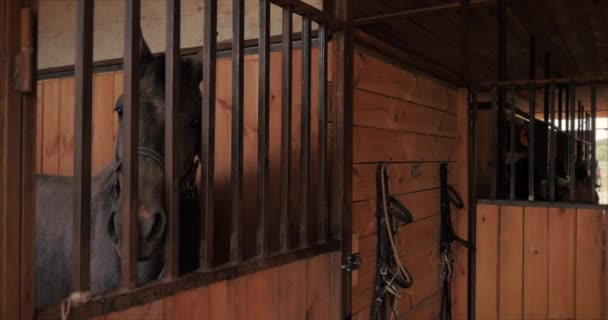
point(567, 112)
point(572, 137)
point(263, 126)
point(512, 176)
point(465, 54)
point(323, 220)
point(286, 86)
point(305, 132)
point(547, 76)
point(579, 119)
point(593, 138)
point(82, 146)
point(552, 133)
point(238, 21)
point(502, 101)
point(172, 101)
point(129, 245)
point(494, 173)
point(472, 219)
point(531, 142)
point(560, 92)
point(208, 134)
point(532, 57)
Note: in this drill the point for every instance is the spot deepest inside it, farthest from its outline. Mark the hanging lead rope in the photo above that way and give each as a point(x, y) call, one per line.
point(449, 197)
point(391, 274)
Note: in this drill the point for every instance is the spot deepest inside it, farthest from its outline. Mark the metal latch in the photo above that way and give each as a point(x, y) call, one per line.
point(353, 262)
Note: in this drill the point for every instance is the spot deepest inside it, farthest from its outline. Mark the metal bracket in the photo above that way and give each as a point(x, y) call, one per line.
point(415, 170)
point(353, 262)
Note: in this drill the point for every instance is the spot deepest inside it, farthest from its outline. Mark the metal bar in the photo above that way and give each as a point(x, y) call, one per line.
point(512, 175)
point(472, 217)
point(263, 127)
point(305, 133)
point(593, 138)
point(546, 92)
point(465, 55)
point(531, 142)
point(83, 124)
point(532, 57)
point(322, 198)
point(172, 101)
point(494, 173)
point(130, 163)
point(502, 101)
point(238, 108)
point(286, 86)
point(551, 153)
point(208, 134)
point(579, 132)
point(572, 137)
point(412, 13)
point(560, 110)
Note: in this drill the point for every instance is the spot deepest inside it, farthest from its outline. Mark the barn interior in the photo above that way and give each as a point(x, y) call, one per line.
point(510, 95)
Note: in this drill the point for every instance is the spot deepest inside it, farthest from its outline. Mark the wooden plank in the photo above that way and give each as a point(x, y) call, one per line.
point(192, 304)
point(292, 288)
point(404, 178)
point(376, 145)
point(510, 277)
point(590, 264)
point(426, 310)
point(50, 115)
point(335, 286)
point(66, 128)
point(536, 259)
point(151, 311)
point(562, 259)
point(422, 204)
point(317, 288)
point(218, 300)
point(486, 306)
point(237, 298)
point(262, 295)
point(103, 124)
point(379, 111)
point(39, 126)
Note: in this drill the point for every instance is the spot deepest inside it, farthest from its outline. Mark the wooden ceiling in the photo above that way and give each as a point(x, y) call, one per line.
point(574, 32)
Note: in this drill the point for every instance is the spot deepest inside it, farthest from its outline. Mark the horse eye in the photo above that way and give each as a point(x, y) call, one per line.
point(118, 110)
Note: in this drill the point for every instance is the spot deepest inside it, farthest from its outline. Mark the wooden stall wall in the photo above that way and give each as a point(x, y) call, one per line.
point(410, 120)
point(302, 290)
point(540, 263)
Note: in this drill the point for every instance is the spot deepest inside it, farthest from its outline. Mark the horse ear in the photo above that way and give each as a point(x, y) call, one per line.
point(145, 55)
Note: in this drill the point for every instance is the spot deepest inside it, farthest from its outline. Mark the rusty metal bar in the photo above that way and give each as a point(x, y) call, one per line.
point(512, 175)
point(286, 87)
point(593, 137)
point(172, 102)
point(263, 127)
point(208, 134)
point(83, 124)
point(494, 172)
point(323, 205)
point(305, 133)
point(552, 133)
point(238, 108)
point(531, 142)
point(571, 137)
point(130, 163)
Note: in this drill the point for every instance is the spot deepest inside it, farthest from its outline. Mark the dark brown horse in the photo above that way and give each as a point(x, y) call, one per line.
point(54, 195)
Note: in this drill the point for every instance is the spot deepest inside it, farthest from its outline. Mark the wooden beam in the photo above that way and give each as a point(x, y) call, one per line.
point(440, 9)
point(304, 9)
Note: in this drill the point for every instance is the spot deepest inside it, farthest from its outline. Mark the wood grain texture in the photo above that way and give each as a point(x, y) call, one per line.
point(50, 136)
point(589, 264)
point(562, 260)
point(188, 305)
point(292, 288)
point(263, 296)
point(487, 262)
point(103, 120)
point(510, 276)
point(66, 128)
point(152, 311)
point(317, 288)
point(39, 122)
point(536, 259)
